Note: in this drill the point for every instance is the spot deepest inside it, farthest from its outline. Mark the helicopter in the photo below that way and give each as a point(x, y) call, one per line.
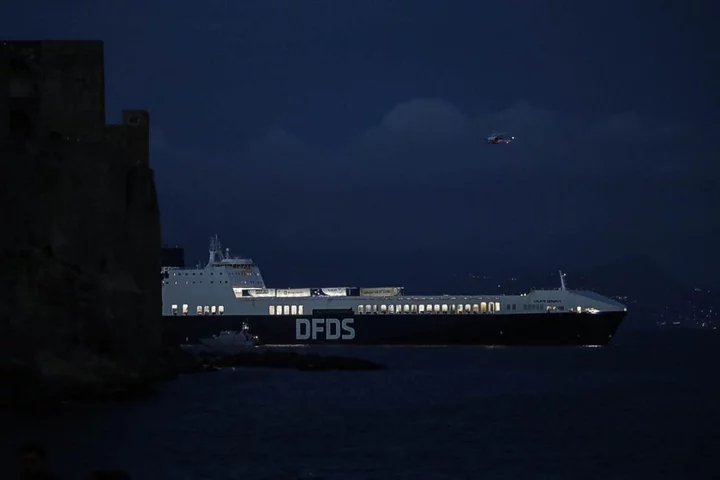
point(496, 138)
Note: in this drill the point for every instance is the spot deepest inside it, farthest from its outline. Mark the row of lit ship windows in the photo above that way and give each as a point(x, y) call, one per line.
point(483, 307)
point(212, 273)
point(200, 310)
point(244, 282)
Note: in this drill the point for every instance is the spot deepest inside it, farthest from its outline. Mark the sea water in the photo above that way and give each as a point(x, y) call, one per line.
point(645, 407)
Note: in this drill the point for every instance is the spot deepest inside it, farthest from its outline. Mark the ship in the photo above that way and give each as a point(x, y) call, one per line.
point(230, 341)
point(229, 293)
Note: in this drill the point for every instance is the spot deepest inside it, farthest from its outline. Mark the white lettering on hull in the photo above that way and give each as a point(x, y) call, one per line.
point(324, 329)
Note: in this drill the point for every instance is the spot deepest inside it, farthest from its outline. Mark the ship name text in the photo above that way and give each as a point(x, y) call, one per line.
point(324, 329)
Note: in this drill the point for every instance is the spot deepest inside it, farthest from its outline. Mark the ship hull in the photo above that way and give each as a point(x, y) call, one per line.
point(542, 329)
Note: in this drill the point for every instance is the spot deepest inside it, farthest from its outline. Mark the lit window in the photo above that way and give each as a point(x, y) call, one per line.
point(174, 310)
point(437, 308)
point(406, 309)
point(497, 306)
point(391, 309)
point(467, 308)
point(199, 310)
point(301, 309)
point(360, 309)
point(421, 308)
point(286, 309)
point(483, 307)
point(414, 308)
point(272, 310)
point(221, 309)
point(476, 308)
point(213, 310)
point(293, 310)
point(383, 308)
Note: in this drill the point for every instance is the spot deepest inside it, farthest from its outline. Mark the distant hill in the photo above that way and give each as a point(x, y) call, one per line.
point(637, 276)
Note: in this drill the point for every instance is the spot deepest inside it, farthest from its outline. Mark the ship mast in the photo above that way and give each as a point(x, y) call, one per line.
point(563, 287)
point(215, 249)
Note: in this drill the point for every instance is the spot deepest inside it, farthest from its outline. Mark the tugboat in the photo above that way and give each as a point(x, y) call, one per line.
point(231, 341)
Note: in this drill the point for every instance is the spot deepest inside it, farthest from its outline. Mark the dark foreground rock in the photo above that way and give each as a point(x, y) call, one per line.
point(283, 359)
point(54, 383)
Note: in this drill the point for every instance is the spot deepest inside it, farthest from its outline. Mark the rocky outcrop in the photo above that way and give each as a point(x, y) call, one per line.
point(204, 361)
point(80, 296)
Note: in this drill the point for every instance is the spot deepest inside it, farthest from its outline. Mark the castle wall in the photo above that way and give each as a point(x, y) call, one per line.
point(80, 247)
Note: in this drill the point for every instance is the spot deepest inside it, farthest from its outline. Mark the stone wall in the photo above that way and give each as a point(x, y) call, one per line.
point(80, 291)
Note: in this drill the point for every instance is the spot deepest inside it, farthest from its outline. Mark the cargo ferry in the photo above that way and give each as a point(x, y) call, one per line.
point(229, 294)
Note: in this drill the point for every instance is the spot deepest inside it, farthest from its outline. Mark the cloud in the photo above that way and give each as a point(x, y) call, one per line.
point(420, 120)
point(529, 122)
point(547, 140)
point(281, 137)
point(426, 159)
point(429, 141)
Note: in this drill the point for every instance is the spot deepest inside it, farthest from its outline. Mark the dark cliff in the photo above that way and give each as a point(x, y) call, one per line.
point(80, 296)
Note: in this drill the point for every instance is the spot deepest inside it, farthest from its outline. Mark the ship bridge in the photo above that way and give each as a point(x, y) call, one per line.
point(242, 270)
point(236, 262)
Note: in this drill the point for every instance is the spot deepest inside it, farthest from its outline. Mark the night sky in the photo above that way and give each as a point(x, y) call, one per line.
point(346, 133)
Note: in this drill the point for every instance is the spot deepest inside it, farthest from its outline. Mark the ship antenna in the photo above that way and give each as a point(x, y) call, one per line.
point(215, 248)
point(563, 287)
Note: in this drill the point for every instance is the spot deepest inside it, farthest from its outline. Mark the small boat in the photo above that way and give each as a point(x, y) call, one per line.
point(226, 341)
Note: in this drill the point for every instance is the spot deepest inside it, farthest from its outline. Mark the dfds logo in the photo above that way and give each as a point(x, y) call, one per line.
point(324, 329)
